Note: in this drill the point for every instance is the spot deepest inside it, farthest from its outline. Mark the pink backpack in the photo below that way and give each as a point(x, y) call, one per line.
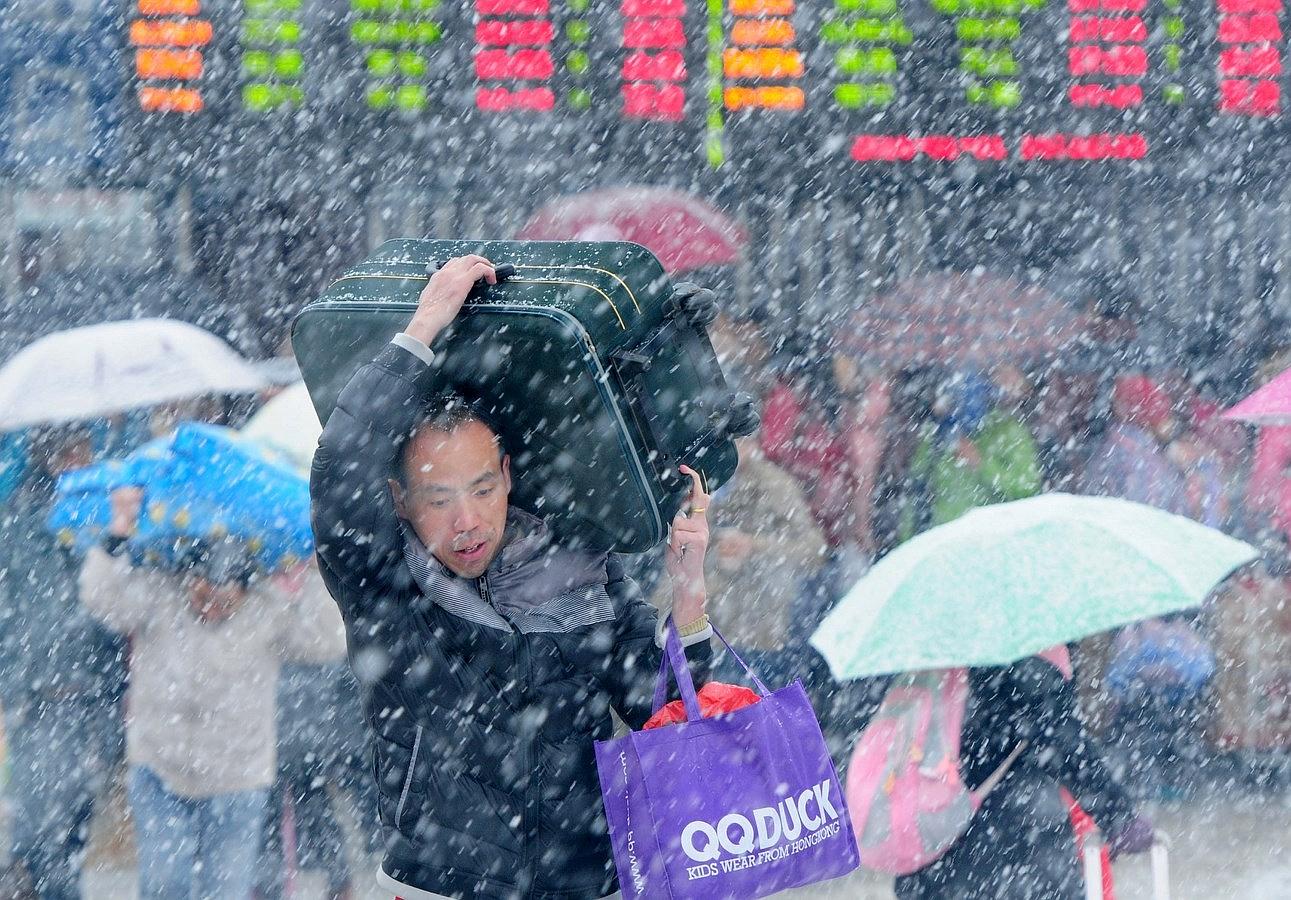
point(906, 795)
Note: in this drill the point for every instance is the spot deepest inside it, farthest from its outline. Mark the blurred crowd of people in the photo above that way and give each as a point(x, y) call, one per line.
point(223, 727)
point(851, 460)
point(237, 739)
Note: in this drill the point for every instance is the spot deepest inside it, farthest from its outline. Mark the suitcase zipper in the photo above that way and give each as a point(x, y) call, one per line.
point(582, 268)
point(622, 324)
point(631, 296)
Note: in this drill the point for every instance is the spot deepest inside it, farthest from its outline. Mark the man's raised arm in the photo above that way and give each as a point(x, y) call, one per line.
point(356, 529)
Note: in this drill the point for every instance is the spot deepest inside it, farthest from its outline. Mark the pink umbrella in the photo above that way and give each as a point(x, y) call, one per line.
point(685, 232)
point(1270, 405)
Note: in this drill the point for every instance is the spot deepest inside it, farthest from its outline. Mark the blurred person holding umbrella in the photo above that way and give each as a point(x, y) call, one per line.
point(976, 451)
point(208, 639)
point(1029, 576)
point(62, 679)
point(490, 658)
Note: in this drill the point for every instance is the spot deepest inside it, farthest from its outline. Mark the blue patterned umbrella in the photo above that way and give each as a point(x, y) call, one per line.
point(203, 483)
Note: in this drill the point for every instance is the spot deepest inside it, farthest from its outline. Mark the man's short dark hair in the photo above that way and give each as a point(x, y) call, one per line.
point(448, 411)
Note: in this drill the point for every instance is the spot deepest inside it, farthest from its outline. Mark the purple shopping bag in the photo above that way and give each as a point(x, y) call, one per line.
point(741, 806)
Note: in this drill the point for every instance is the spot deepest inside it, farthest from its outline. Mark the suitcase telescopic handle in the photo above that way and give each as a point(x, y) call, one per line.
point(1160, 859)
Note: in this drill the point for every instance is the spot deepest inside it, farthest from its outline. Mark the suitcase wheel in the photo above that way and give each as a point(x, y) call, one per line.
point(697, 304)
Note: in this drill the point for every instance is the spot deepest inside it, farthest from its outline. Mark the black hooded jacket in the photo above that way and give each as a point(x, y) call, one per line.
point(1020, 845)
point(484, 697)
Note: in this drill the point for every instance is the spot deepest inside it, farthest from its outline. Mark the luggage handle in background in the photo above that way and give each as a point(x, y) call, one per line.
point(630, 366)
point(1159, 854)
point(738, 418)
point(674, 657)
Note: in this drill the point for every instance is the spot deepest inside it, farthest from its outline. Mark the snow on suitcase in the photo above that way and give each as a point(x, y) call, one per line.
point(597, 368)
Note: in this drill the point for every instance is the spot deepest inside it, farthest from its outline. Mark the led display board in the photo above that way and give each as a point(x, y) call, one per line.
point(881, 82)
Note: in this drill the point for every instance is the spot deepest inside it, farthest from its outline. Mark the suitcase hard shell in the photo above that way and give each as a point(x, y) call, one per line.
point(598, 371)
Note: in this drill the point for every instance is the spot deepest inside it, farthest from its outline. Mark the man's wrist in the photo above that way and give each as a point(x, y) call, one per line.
point(688, 609)
point(424, 330)
point(690, 633)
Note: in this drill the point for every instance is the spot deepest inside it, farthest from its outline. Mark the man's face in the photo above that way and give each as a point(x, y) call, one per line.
point(457, 484)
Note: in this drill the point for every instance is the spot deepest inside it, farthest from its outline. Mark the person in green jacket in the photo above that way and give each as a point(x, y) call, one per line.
point(975, 452)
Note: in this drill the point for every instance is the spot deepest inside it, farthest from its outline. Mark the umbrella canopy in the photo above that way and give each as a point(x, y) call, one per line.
point(98, 370)
point(1007, 581)
point(202, 484)
point(683, 231)
point(950, 319)
point(1270, 405)
point(289, 425)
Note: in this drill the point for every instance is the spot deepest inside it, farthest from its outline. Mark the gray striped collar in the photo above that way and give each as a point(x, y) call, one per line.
point(534, 585)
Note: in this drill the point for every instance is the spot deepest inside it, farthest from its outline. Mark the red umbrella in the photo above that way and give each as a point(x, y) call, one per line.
point(683, 231)
point(961, 319)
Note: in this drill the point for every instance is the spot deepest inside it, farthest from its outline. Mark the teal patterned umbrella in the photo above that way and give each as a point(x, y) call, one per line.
point(1004, 582)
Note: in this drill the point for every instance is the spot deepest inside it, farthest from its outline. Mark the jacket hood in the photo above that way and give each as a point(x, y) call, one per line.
point(529, 572)
point(531, 569)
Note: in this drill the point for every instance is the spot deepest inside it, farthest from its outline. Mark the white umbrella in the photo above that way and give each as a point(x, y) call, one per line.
point(98, 370)
point(289, 425)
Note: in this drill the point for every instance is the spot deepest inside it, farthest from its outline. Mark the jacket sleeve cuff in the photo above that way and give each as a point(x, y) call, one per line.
point(689, 640)
point(414, 346)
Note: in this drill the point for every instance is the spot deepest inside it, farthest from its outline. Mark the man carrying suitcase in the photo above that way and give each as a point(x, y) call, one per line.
point(490, 657)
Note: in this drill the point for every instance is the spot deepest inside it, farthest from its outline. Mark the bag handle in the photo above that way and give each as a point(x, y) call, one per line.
point(674, 657)
point(997, 776)
point(503, 271)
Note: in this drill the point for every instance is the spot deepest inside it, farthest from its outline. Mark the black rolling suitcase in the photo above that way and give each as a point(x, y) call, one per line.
point(597, 368)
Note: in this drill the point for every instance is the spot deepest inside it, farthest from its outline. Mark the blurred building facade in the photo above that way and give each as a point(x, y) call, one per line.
point(236, 220)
